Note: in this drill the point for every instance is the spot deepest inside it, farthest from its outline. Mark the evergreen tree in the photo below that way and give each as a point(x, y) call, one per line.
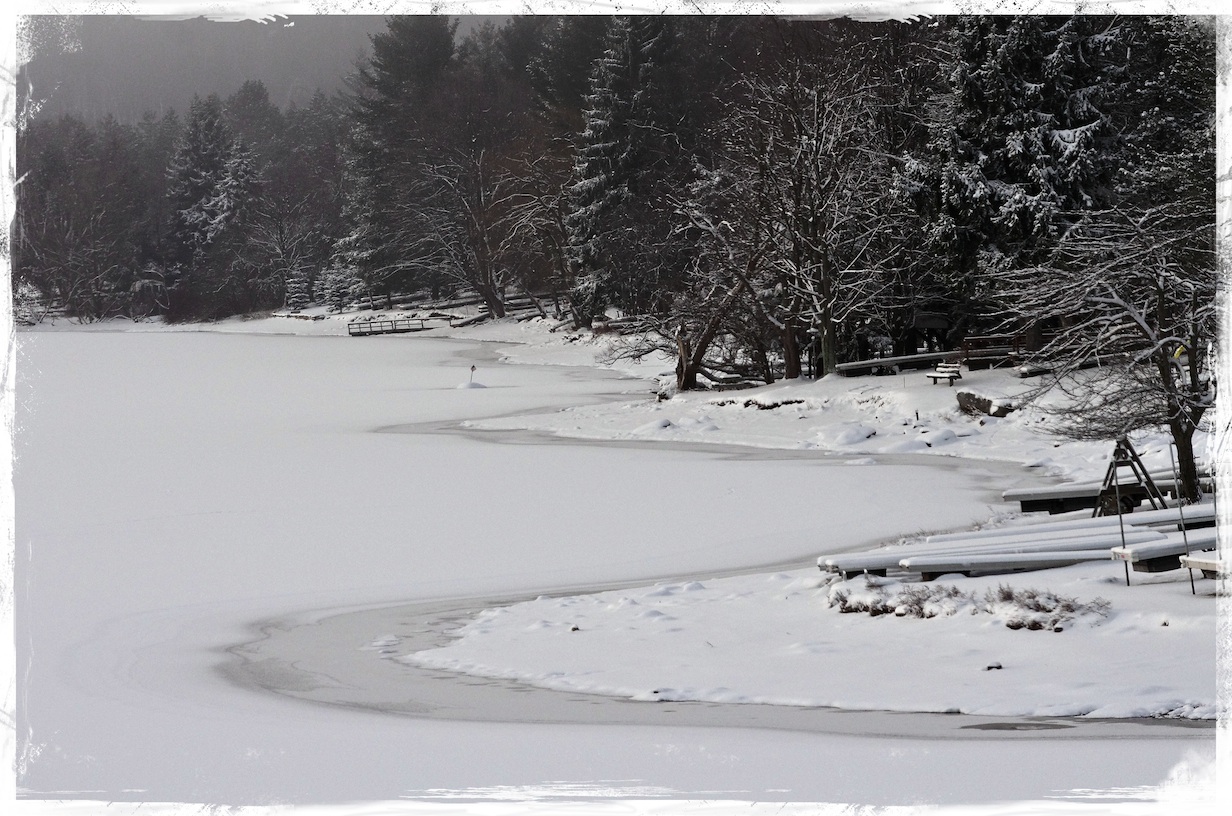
point(396, 112)
point(436, 168)
point(629, 158)
point(338, 286)
point(194, 177)
point(157, 142)
point(78, 235)
point(1021, 143)
point(256, 121)
point(305, 191)
point(299, 290)
point(408, 59)
point(212, 188)
point(522, 40)
point(560, 69)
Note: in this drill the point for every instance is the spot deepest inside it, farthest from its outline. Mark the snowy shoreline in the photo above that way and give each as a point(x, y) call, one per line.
point(306, 661)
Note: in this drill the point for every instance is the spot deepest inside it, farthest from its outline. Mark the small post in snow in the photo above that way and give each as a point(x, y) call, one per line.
point(1180, 508)
point(472, 379)
point(1116, 483)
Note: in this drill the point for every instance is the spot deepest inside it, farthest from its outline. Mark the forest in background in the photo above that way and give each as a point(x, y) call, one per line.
point(756, 197)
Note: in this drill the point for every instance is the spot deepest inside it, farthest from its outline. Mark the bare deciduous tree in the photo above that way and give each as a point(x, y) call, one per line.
point(1134, 294)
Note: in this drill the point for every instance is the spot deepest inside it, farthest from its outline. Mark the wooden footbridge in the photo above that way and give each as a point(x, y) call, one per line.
point(398, 325)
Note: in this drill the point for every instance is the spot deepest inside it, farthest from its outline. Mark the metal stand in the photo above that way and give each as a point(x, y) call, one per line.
point(1124, 456)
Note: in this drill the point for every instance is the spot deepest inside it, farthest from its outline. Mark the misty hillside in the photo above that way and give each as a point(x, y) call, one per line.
point(92, 66)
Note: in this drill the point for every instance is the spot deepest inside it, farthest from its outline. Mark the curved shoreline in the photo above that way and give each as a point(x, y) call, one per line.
point(330, 661)
point(310, 655)
point(325, 656)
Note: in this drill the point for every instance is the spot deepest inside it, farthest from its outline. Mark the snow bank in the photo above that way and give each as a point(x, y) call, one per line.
point(973, 646)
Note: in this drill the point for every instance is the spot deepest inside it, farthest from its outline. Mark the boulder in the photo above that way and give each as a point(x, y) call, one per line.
point(974, 404)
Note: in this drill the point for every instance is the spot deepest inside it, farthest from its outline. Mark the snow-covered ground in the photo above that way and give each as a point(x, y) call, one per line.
point(173, 486)
point(775, 639)
point(779, 639)
point(904, 413)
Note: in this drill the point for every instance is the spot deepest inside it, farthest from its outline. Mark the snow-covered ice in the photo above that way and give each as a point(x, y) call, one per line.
point(173, 487)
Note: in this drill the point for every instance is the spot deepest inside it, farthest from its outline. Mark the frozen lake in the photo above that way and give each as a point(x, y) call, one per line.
point(174, 488)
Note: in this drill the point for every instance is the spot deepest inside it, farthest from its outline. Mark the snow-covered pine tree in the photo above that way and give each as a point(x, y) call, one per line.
point(233, 196)
point(213, 184)
point(194, 176)
point(299, 290)
point(604, 154)
point(394, 112)
point(618, 220)
point(1021, 142)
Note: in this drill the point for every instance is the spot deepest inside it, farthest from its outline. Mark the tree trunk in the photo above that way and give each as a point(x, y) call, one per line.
point(496, 306)
point(690, 356)
point(791, 353)
point(763, 361)
point(827, 352)
point(1181, 424)
point(686, 371)
point(1186, 467)
point(1034, 336)
point(906, 343)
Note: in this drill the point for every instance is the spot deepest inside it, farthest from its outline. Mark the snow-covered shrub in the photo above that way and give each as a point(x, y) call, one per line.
point(921, 601)
point(1020, 608)
point(874, 605)
point(1035, 610)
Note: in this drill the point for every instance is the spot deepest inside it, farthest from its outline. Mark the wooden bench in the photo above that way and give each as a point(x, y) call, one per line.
point(1064, 497)
point(1209, 562)
point(1165, 555)
point(888, 365)
point(945, 371)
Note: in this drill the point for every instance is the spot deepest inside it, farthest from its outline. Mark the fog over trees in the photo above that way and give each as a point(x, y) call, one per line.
point(97, 65)
point(759, 197)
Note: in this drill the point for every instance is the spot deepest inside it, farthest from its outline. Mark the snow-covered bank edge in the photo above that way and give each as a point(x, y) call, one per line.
point(301, 657)
point(776, 639)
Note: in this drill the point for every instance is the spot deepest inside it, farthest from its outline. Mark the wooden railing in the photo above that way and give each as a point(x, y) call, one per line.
point(400, 325)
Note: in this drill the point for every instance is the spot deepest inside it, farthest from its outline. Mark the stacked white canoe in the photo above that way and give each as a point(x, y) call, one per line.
point(1151, 540)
